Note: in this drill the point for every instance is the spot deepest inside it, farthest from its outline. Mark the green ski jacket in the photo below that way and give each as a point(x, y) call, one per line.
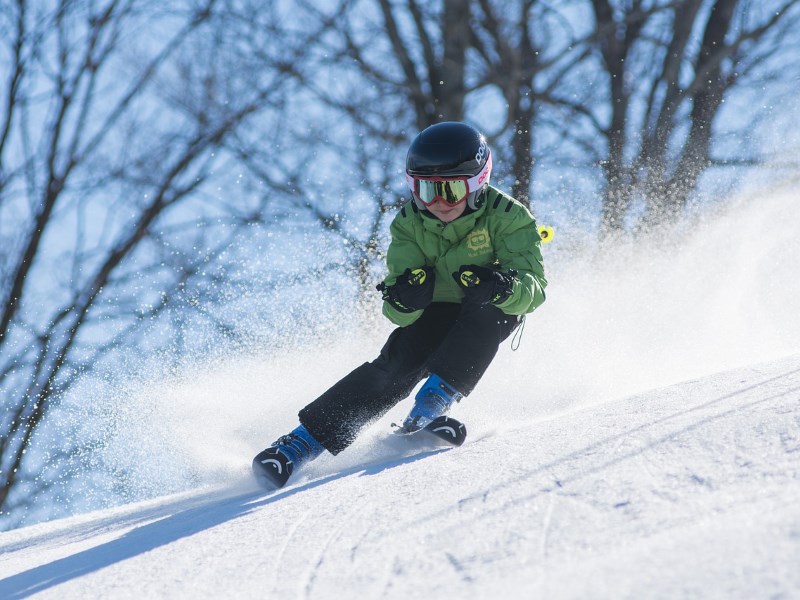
point(501, 234)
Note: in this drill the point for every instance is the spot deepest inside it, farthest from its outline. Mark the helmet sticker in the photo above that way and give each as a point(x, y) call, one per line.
point(481, 151)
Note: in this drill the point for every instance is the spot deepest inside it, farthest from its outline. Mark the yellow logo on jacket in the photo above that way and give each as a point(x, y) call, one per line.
point(478, 242)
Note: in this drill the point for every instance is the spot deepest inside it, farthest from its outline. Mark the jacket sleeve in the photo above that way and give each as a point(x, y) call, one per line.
point(518, 247)
point(403, 253)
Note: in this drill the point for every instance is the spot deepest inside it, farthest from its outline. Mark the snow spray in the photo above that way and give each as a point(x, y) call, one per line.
point(707, 296)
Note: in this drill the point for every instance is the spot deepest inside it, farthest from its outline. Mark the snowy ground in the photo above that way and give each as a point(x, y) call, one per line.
point(689, 491)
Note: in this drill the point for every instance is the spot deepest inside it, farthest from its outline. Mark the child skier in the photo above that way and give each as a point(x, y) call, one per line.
point(464, 265)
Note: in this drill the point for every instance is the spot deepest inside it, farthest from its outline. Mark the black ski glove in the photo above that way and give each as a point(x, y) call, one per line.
point(412, 291)
point(482, 285)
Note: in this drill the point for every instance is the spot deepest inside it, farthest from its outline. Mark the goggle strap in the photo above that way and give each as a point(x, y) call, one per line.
point(475, 183)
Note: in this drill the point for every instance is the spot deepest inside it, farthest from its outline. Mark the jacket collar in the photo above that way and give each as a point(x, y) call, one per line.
point(455, 230)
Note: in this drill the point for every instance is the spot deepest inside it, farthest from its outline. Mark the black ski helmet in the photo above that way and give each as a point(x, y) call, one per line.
point(451, 149)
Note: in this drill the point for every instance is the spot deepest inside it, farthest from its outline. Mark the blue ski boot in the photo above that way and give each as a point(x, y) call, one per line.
point(434, 399)
point(273, 466)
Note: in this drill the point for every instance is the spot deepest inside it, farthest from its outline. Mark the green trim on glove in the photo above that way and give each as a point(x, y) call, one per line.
point(412, 291)
point(482, 285)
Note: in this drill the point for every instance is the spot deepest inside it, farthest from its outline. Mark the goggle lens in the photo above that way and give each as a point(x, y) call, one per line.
point(452, 191)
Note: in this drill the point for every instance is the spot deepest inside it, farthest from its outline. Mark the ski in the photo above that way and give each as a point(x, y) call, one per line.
point(272, 468)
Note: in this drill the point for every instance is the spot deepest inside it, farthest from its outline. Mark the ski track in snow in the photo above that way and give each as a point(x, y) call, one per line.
point(687, 491)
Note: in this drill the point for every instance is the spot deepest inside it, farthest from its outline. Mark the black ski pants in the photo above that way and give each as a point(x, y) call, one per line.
point(455, 341)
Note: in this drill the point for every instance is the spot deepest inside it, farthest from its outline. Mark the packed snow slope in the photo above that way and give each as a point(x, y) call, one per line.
point(688, 491)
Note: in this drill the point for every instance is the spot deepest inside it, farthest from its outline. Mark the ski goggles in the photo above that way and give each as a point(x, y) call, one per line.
point(450, 190)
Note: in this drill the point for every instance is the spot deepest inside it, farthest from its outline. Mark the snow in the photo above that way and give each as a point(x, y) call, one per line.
point(644, 442)
point(692, 490)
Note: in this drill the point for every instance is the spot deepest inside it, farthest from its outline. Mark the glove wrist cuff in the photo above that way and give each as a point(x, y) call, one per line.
point(502, 296)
